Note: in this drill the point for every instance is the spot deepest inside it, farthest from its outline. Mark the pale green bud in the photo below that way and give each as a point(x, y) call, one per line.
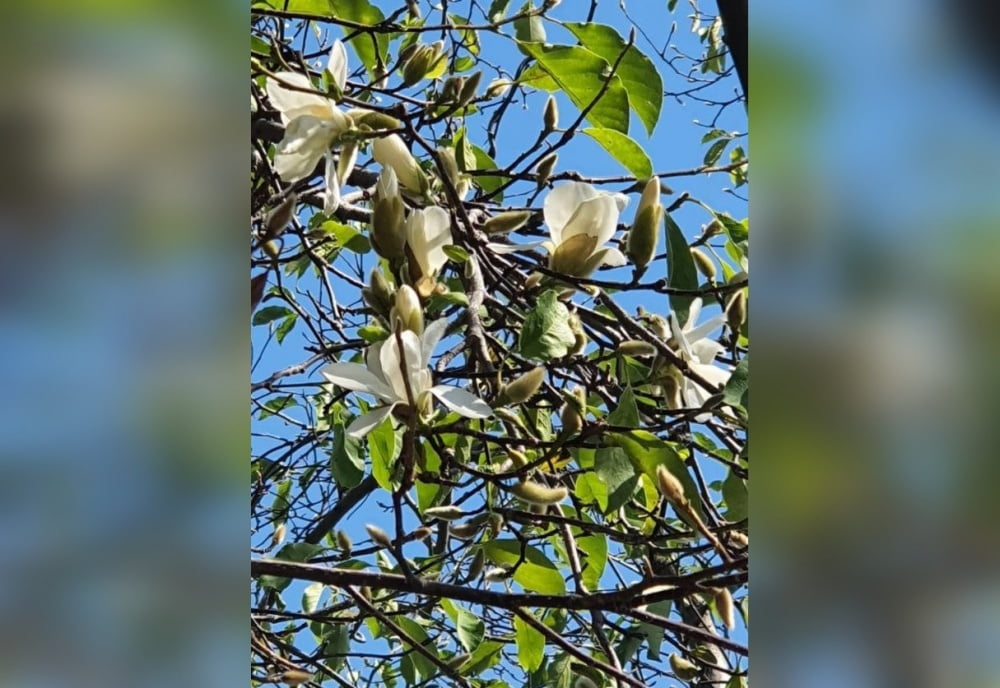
point(644, 236)
point(496, 575)
point(550, 118)
point(683, 669)
point(418, 65)
point(344, 542)
point(408, 312)
point(445, 513)
point(373, 119)
point(295, 677)
point(523, 388)
point(536, 493)
point(279, 217)
point(545, 167)
point(507, 222)
point(388, 236)
point(468, 92)
point(636, 347)
point(498, 87)
point(670, 486)
point(704, 264)
point(378, 536)
point(572, 256)
point(725, 607)
point(736, 310)
point(477, 563)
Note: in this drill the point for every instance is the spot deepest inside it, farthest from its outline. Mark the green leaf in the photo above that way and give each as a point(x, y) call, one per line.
point(682, 273)
point(714, 151)
point(384, 450)
point(347, 237)
point(269, 314)
point(486, 656)
point(737, 231)
point(734, 491)
point(310, 597)
point(529, 29)
point(590, 489)
point(456, 253)
point(530, 644)
point(284, 327)
point(346, 462)
point(497, 10)
point(317, 8)
point(616, 471)
point(372, 333)
point(417, 635)
point(647, 451)
point(595, 559)
point(299, 551)
point(471, 629)
point(626, 413)
point(364, 44)
point(737, 389)
point(488, 183)
point(623, 149)
point(536, 573)
point(638, 75)
point(280, 404)
point(546, 333)
point(654, 633)
point(582, 74)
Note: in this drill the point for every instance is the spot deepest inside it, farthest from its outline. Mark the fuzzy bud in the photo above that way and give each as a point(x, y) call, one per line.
point(495, 524)
point(408, 312)
point(468, 91)
point(464, 531)
point(507, 222)
point(536, 493)
point(272, 248)
point(279, 534)
point(458, 660)
point(378, 536)
point(572, 255)
point(451, 88)
point(372, 119)
point(279, 218)
point(682, 668)
point(477, 563)
point(444, 513)
point(643, 238)
point(725, 607)
point(295, 677)
point(524, 387)
point(517, 458)
point(550, 118)
point(496, 575)
point(713, 228)
point(670, 486)
point(636, 347)
point(736, 310)
point(421, 533)
point(344, 542)
point(544, 168)
point(498, 87)
point(570, 418)
point(387, 233)
point(418, 65)
point(704, 264)
point(739, 539)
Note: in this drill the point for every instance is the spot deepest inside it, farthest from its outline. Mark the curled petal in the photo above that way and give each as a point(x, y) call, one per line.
point(362, 425)
point(597, 217)
point(462, 402)
point(331, 196)
point(337, 65)
point(402, 365)
point(293, 103)
point(562, 202)
point(430, 338)
point(356, 378)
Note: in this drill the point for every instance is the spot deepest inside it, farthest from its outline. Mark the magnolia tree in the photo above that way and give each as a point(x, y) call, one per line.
point(499, 391)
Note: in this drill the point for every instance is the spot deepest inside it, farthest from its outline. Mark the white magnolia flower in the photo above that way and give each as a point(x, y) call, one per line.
point(699, 351)
point(390, 151)
point(428, 231)
point(581, 220)
point(312, 121)
point(393, 372)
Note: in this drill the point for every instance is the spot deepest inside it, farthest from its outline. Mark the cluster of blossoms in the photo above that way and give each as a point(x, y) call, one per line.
point(581, 221)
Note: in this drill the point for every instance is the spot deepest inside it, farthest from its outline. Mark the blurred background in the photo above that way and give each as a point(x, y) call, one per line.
point(123, 212)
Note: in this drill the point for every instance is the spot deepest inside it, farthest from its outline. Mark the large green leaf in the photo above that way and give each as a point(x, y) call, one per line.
point(536, 573)
point(615, 470)
point(582, 74)
point(590, 489)
point(322, 9)
point(418, 635)
point(595, 557)
point(346, 462)
point(638, 75)
point(734, 490)
point(487, 183)
point(530, 644)
point(626, 413)
point(646, 451)
point(364, 44)
point(737, 388)
point(681, 270)
point(546, 333)
point(624, 149)
point(384, 449)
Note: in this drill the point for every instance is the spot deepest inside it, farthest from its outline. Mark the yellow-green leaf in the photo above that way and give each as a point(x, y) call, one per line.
point(623, 149)
point(530, 644)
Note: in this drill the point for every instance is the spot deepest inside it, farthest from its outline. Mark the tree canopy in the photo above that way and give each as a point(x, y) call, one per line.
point(499, 288)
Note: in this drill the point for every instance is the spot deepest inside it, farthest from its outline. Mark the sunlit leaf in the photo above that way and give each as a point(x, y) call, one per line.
point(625, 150)
point(530, 644)
point(546, 333)
point(681, 270)
point(536, 573)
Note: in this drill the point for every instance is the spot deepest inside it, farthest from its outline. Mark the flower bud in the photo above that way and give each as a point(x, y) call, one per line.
point(458, 660)
point(736, 311)
point(468, 92)
point(295, 677)
point(272, 248)
point(507, 222)
point(344, 542)
point(279, 217)
point(387, 234)
point(451, 89)
point(498, 87)
point(408, 311)
point(418, 64)
point(517, 458)
point(477, 563)
point(523, 388)
point(544, 168)
point(372, 119)
point(345, 163)
point(279, 534)
point(550, 118)
point(533, 280)
point(739, 538)
point(445, 513)
point(421, 533)
point(670, 486)
point(464, 531)
point(636, 347)
point(571, 420)
point(672, 391)
point(724, 605)
point(571, 256)
point(495, 524)
point(449, 165)
point(536, 493)
point(682, 668)
point(378, 295)
point(704, 264)
point(496, 575)
point(378, 536)
point(390, 151)
point(644, 236)
point(713, 228)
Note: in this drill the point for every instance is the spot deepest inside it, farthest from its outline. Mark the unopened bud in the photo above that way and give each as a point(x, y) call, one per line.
point(477, 563)
point(544, 168)
point(418, 65)
point(495, 524)
point(517, 458)
point(272, 248)
point(421, 533)
point(279, 535)
point(570, 418)
point(468, 92)
point(451, 89)
point(636, 347)
point(644, 236)
point(580, 341)
point(343, 542)
point(550, 118)
point(682, 668)
point(533, 280)
point(736, 311)
point(458, 660)
point(495, 575)
point(507, 222)
point(498, 87)
point(704, 264)
point(387, 233)
point(464, 531)
point(372, 119)
point(445, 513)
point(572, 255)
point(739, 538)
point(725, 607)
point(378, 536)
point(408, 311)
point(713, 228)
point(295, 677)
point(670, 486)
point(536, 493)
point(524, 387)
point(279, 218)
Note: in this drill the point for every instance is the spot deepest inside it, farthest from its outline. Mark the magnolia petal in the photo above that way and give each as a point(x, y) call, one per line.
point(430, 338)
point(390, 151)
point(613, 258)
point(572, 257)
point(356, 378)
point(362, 425)
point(290, 102)
point(621, 200)
point(402, 365)
point(513, 248)
point(705, 329)
point(331, 196)
point(561, 203)
point(694, 310)
point(337, 65)
point(462, 402)
point(597, 217)
point(705, 350)
point(428, 232)
point(348, 156)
